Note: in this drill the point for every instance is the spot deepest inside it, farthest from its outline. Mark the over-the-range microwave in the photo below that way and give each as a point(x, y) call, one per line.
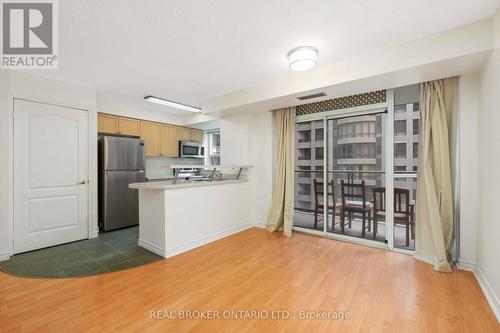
point(191, 149)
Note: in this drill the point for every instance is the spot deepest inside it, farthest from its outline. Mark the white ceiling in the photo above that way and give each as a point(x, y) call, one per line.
point(190, 51)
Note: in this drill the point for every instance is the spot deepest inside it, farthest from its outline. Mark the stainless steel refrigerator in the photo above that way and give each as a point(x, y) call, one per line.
point(121, 162)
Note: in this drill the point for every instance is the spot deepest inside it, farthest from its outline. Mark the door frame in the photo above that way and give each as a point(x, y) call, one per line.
point(92, 226)
point(388, 106)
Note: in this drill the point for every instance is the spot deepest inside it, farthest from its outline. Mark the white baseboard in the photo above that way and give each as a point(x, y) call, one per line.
point(194, 244)
point(206, 240)
point(261, 225)
point(466, 265)
point(488, 292)
point(151, 247)
point(4, 256)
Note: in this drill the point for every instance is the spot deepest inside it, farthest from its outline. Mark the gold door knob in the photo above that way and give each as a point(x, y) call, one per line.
point(83, 182)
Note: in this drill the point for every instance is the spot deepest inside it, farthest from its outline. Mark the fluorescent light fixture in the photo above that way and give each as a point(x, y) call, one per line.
point(162, 101)
point(302, 58)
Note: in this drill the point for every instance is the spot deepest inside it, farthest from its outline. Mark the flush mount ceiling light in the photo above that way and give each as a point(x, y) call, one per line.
point(162, 101)
point(302, 58)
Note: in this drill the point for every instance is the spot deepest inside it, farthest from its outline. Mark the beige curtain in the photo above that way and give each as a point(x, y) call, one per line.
point(434, 227)
point(281, 214)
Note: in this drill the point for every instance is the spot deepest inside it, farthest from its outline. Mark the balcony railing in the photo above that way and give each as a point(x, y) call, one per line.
point(355, 135)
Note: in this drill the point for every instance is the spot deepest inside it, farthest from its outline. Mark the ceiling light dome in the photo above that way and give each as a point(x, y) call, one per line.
point(302, 58)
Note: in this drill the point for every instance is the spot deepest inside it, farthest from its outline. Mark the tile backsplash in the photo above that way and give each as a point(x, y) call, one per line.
point(158, 167)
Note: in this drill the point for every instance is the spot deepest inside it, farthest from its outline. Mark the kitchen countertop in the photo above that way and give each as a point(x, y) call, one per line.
point(162, 179)
point(168, 184)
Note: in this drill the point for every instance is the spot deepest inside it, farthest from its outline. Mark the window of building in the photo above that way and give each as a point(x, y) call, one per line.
point(319, 153)
point(415, 126)
point(400, 127)
point(319, 134)
point(213, 147)
point(400, 150)
point(401, 108)
point(304, 136)
point(415, 150)
point(304, 154)
point(416, 106)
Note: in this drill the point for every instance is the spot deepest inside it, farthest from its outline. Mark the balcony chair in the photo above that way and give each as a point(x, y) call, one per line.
point(354, 201)
point(318, 199)
point(403, 210)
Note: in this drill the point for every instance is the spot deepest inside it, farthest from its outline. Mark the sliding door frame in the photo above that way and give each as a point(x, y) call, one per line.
point(388, 106)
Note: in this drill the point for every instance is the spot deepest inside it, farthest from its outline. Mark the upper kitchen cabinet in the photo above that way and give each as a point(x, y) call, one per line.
point(160, 139)
point(129, 126)
point(107, 123)
point(118, 125)
point(185, 134)
point(150, 132)
point(169, 140)
point(196, 135)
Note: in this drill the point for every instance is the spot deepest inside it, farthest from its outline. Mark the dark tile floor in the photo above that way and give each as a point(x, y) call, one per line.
point(111, 251)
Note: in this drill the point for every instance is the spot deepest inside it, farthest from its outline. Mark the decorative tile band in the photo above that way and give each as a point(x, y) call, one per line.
point(345, 102)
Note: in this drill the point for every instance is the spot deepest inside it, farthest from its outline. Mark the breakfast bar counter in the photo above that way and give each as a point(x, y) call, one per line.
point(178, 215)
point(169, 184)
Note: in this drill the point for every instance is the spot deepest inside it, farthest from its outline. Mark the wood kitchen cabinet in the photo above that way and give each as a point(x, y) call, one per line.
point(107, 123)
point(129, 126)
point(196, 135)
point(150, 132)
point(160, 139)
point(169, 140)
point(185, 134)
point(118, 125)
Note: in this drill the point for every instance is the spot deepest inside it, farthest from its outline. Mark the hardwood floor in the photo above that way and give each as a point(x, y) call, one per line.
point(255, 270)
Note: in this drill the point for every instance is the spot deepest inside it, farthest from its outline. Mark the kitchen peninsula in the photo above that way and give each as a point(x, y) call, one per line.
point(178, 215)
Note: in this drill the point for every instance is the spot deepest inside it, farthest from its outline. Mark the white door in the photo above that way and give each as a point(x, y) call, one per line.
point(50, 175)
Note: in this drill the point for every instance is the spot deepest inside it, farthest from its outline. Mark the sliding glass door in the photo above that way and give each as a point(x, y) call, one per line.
point(356, 172)
point(406, 155)
point(309, 163)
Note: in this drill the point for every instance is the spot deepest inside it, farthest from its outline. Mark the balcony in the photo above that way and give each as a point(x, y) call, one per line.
point(305, 219)
point(304, 211)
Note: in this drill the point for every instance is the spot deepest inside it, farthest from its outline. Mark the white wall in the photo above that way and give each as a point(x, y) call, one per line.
point(488, 226)
point(247, 138)
point(261, 141)
point(468, 113)
point(234, 136)
point(5, 228)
